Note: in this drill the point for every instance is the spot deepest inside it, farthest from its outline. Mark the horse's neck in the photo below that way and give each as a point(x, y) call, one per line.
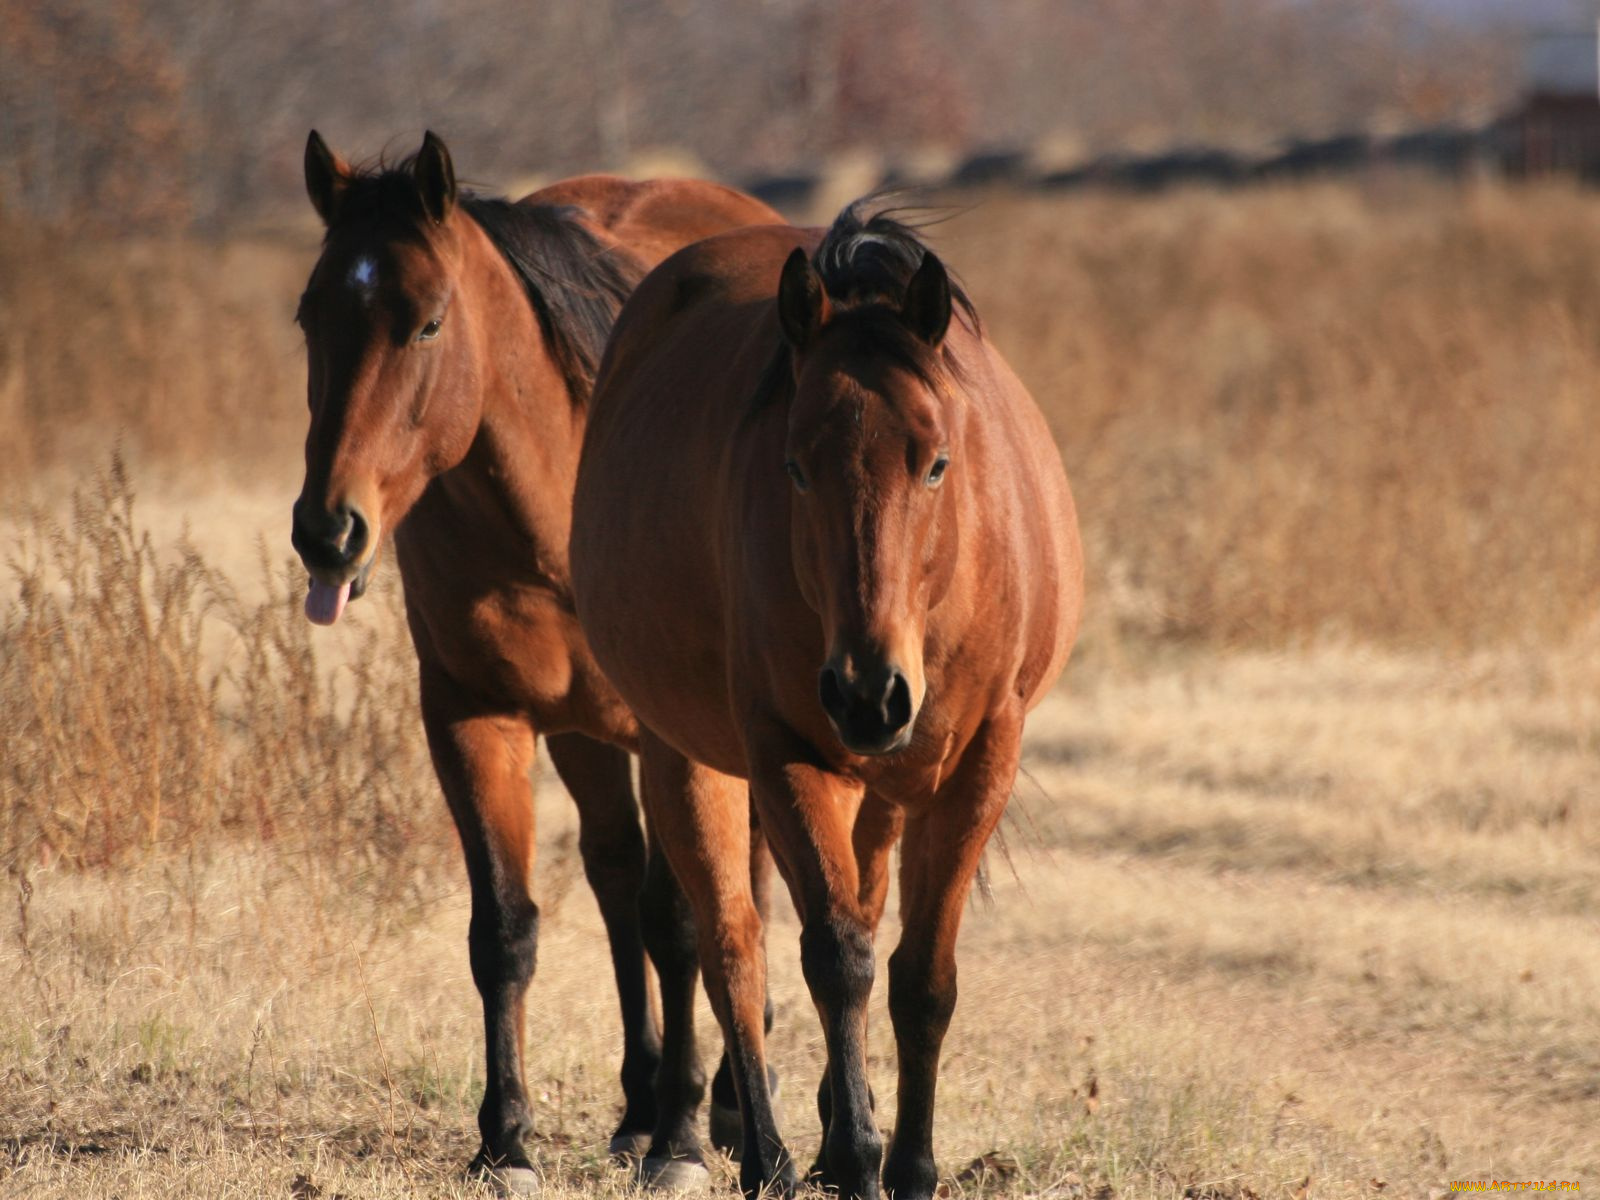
point(515, 484)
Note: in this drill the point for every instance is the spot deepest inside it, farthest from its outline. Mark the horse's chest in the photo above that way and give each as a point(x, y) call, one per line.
point(513, 650)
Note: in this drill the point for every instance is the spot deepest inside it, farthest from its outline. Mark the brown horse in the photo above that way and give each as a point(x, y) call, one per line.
point(822, 542)
point(452, 342)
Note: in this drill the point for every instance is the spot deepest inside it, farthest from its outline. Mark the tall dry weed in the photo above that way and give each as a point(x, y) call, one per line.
point(149, 704)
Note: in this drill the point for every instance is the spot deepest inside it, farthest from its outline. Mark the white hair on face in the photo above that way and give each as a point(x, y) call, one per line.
point(363, 273)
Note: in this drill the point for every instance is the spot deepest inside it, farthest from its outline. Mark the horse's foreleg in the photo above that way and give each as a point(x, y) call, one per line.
point(701, 820)
point(877, 828)
point(727, 1125)
point(943, 846)
point(483, 759)
point(612, 845)
point(809, 815)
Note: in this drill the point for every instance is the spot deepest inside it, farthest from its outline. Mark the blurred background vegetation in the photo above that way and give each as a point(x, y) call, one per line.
point(165, 114)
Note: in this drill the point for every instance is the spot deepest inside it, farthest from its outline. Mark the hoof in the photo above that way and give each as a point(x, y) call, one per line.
point(507, 1180)
point(629, 1147)
point(727, 1123)
point(673, 1175)
point(727, 1130)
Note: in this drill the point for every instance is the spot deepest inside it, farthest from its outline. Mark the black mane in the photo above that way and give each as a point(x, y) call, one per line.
point(870, 259)
point(865, 263)
point(575, 283)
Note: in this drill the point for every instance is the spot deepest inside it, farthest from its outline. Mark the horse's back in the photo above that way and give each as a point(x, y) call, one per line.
point(715, 294)
point(655, 217)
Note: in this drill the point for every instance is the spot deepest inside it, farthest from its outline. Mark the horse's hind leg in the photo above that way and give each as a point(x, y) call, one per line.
point(483, 759)
point(727, 1132)
point(943, 846)
point(612, 844)
point(675, 1159)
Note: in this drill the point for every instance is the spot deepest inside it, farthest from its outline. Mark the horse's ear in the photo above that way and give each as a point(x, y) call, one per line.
point(803, 306)
point(926, 307)
point(436, 177)
point(326, 177)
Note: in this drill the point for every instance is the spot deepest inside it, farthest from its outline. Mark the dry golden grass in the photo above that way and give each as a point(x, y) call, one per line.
point(1366, 410)
point(152, 704)
point(1306, 865)
point(1263, 978)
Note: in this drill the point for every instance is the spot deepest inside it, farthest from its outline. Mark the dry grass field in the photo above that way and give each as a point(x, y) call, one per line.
point(1300, 895)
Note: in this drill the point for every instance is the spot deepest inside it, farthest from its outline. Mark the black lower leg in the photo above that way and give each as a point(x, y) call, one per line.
point(616, 888)
point(669, 935)
point(921, 1009)
point(723, 1093)
point(837, 961)
point(611, 842)
point(503, 943)
point(724, 1096)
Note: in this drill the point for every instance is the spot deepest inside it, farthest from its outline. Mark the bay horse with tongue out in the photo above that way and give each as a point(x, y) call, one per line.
point(452, 341)
point(822, 542)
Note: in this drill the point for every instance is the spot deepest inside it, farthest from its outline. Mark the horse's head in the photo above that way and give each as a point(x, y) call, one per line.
point(392, 360)
point(874, 441)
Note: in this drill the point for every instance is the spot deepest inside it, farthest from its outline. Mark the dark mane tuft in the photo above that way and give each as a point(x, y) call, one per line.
point(865, 263)
point(380, 187)
point(575, 283)
point(865, 259)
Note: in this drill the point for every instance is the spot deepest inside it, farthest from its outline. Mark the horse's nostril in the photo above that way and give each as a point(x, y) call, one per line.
point(330, 539)
point(355, 531)
point(897, 703)
point(831, 692)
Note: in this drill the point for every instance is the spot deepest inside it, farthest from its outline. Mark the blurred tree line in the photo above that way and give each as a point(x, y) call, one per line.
point(126, 114)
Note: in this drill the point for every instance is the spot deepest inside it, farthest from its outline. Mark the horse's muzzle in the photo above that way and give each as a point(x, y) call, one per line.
point(331, 544)
point(334, 546)
point(871, 710)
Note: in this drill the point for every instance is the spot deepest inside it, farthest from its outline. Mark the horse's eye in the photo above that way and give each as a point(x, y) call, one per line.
point(936, 472)
point(430, 330)
point(796, 474)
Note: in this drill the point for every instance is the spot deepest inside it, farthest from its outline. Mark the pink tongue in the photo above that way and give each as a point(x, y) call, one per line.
point(324, 603)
